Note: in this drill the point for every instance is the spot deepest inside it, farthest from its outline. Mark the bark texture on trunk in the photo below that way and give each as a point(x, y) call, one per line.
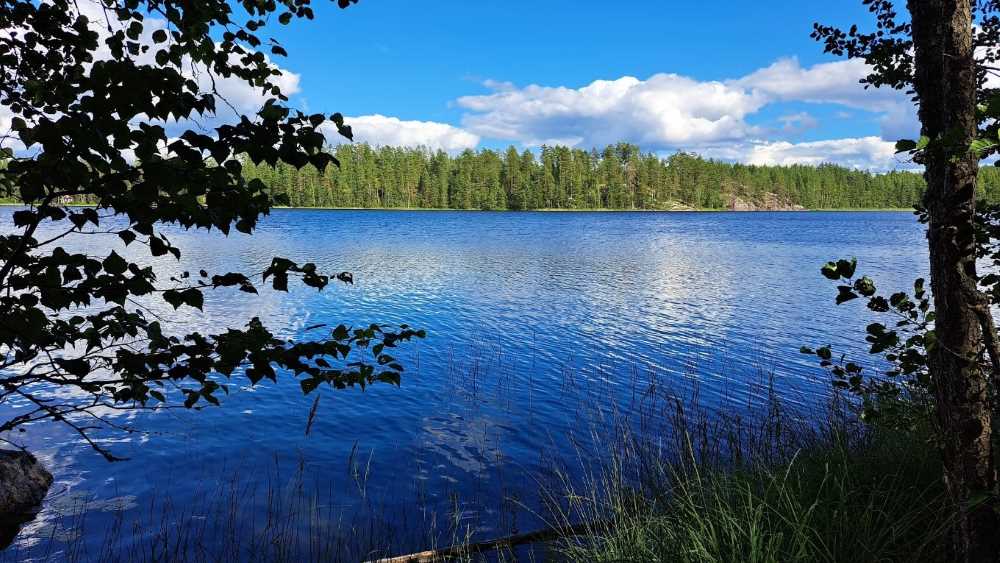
point(945, 84)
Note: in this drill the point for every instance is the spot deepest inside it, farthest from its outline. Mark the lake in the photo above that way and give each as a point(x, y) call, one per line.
point(529, 317)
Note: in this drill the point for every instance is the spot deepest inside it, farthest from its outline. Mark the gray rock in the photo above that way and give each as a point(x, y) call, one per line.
point(23, 485)
point(23, 482)
point(765, 202)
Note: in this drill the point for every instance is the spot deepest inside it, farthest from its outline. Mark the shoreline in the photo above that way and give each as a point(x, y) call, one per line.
point(599, 210)
point(551, 210)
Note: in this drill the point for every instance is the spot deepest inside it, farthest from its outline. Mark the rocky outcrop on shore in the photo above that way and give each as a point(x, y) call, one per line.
point(769, 202)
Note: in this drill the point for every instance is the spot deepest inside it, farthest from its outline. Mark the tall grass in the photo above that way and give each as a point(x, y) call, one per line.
point(658, 474)
point(772, 488)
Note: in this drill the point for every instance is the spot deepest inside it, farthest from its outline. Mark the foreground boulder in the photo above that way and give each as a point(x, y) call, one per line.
point(23, 485)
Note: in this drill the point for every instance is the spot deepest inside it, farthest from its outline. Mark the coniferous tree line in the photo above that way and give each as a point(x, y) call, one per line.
point(618, 177)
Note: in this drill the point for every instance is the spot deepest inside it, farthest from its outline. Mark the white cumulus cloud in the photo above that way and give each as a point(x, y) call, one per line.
point(381, 130)
point(671, 112)
point(664, 110)
point(871, 153)
point(836, 82)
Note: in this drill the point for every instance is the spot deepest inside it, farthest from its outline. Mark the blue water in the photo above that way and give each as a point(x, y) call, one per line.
point(522, 310)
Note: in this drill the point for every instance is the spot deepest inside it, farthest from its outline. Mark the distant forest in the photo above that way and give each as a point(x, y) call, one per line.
point(619, 177)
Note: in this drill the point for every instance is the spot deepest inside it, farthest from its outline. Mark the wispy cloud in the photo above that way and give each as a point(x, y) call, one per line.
point(797, 122)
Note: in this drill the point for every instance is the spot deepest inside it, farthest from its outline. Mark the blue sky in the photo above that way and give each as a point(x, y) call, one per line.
point(732, 80)
point(411, 59)
point(738, 80)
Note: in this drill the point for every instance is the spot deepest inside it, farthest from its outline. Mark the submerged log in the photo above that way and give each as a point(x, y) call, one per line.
point(438, 555)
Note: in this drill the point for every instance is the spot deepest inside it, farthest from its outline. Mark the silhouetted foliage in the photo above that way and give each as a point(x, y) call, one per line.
point(94, 92)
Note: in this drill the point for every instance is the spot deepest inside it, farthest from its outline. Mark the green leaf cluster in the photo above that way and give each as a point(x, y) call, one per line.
point(91, 104)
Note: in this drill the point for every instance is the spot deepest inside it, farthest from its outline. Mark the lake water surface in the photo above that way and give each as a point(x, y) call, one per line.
point(522, 311)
